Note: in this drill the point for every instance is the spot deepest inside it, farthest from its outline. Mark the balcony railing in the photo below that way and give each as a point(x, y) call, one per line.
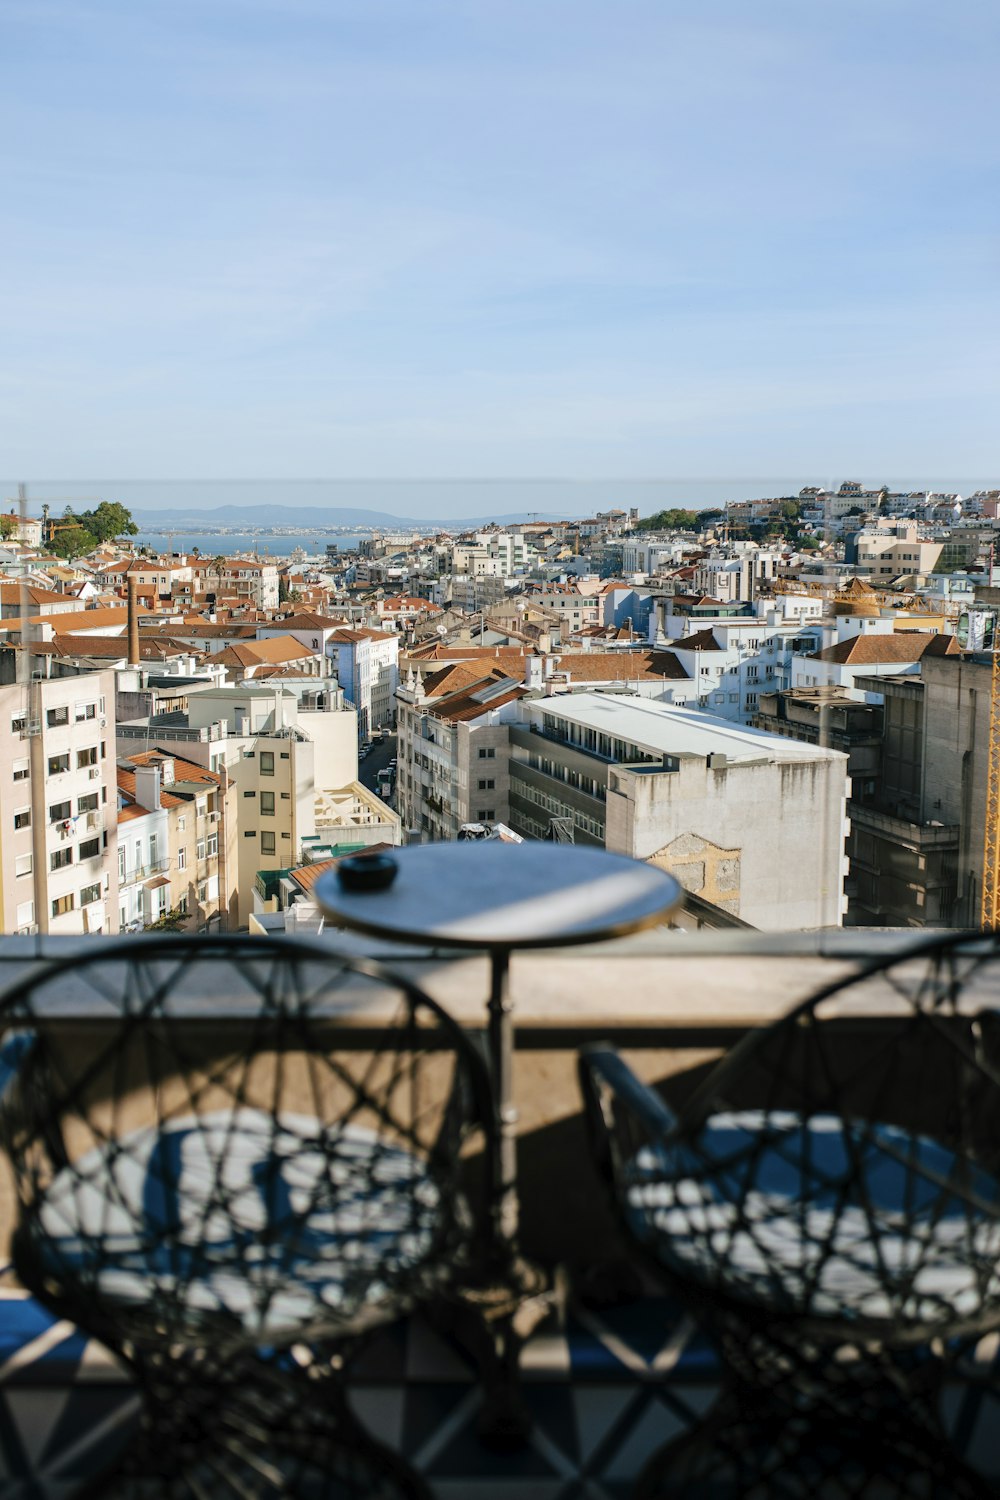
point(673, 1001)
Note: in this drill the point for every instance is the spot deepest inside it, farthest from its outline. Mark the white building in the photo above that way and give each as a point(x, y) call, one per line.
point(59, 807)
point(367, 668)
point(751, 822)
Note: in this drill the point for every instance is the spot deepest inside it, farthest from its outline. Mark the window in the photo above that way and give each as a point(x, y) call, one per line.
point(60, 858)
point(23, 865)
point(152, 848)
point(121, 862)
point(249, 794)
point(283, 754)
point(199, 849)
point(22, 818)
point(182, 905)
point(250, 833)
point(267, 804)
point(90, 894)
point(267, 762)
point(58, 764)
point(487, 786)
point(267, 843)
point(182, 859)
point(86, 757)
point(55, 717)
point(213, 845)
point(489, 753)
point(486, 814)
point(90, 849)
point(85, 711)
point(26, 914)
point(181, 823)
point(87, 804)
point(18, 723)
point(62, 904)
point(286, 796)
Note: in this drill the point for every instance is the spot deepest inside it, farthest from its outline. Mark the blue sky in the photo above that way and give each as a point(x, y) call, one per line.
point(499, 237)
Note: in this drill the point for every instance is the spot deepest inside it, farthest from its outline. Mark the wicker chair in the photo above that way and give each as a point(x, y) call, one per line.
point(225, 1179)
point(828, 1200)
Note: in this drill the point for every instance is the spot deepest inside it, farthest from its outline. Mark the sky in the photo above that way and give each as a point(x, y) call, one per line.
point(496, 238)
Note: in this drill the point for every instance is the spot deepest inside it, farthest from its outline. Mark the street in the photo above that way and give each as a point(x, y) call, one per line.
point(381, 753)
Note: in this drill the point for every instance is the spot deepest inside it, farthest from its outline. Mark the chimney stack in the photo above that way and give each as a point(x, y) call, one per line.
point(133, 621)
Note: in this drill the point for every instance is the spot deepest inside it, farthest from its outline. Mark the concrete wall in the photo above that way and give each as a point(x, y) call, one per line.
point(764, 841)
point(956, 723)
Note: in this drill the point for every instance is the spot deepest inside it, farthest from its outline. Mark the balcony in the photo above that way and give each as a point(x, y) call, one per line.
point(606, 1383)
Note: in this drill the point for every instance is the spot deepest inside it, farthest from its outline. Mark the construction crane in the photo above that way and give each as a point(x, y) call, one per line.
point(989, 914)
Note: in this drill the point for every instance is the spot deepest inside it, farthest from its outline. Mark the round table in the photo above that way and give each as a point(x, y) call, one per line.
point(501, 897)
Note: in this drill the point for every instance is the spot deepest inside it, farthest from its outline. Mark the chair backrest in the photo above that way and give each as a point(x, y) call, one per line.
point(263, 1137)
point(841, 1165)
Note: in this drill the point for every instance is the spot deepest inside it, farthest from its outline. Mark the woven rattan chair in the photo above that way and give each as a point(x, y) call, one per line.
point(233, 1157)
point(828, 1201)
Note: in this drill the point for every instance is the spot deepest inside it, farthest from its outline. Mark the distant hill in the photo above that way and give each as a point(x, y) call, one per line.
point(307, 516)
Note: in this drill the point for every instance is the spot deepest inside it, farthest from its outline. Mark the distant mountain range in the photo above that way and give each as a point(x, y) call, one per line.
point(308, 516)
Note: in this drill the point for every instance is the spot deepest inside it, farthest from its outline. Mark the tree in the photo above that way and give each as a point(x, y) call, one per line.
point(71, 541)
point(109, 520)
point(671, 520)
point(8, 526)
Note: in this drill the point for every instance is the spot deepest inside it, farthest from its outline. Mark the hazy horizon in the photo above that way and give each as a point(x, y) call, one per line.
point(441, 499)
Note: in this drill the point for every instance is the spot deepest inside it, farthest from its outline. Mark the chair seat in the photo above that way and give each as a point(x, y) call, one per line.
point(273, 1225)
point(824, 1217)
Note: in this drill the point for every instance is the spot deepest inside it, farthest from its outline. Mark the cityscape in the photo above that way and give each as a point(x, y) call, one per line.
point(500, 701)
point(783, 701)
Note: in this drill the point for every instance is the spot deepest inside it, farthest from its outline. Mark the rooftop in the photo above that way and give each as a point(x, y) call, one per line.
point(672, 730)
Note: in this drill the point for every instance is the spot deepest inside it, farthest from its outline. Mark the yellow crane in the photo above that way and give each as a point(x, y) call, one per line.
point(990, 907)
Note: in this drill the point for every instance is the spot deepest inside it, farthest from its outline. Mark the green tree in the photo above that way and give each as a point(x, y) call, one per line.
point(671, 520)
point(8, 526)
point(71, 541)
point(170, 921)
point(109, 520)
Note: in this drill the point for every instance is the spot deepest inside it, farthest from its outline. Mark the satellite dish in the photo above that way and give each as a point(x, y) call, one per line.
point(442, 630)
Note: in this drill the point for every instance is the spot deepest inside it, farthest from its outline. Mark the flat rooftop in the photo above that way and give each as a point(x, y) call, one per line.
point(669, 729)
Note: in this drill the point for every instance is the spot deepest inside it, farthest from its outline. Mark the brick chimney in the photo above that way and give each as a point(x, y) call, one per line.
point(133, 621)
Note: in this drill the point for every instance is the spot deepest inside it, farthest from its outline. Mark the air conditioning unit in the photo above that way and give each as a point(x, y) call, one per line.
point(94, 773)
point(104, 723)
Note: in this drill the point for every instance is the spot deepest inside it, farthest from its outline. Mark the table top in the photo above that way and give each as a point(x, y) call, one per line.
point(505, 896)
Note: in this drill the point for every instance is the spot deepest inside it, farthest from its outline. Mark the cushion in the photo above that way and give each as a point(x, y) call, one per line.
point(273, 1224)
point(823, 1216)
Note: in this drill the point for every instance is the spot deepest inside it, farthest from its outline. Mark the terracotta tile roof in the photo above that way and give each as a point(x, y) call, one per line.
point(480, 698)
point(619, 666)
point(350, 636)
point(280, 648)
point(115, 646)
point(702, 640)
point(79, 619)
point(10, 593)
point(126, 785)
point(307, 875)
point(880, 650)
point(457, 675)
point(305, 622)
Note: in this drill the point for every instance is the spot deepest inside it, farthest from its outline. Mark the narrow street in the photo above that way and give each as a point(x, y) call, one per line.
point(382, 752)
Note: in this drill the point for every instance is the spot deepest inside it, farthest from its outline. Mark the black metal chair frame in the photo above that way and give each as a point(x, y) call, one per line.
point(795, 1356)
point(199, 1369)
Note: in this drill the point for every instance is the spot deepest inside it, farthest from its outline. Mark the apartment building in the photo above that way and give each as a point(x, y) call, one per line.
point(58, 806)
point(452, 750)
point(367, 666)
point(177, 844)
point(750, 822)
point(887, 552)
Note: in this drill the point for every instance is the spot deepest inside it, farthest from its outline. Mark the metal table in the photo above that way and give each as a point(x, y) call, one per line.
point(501, 897)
